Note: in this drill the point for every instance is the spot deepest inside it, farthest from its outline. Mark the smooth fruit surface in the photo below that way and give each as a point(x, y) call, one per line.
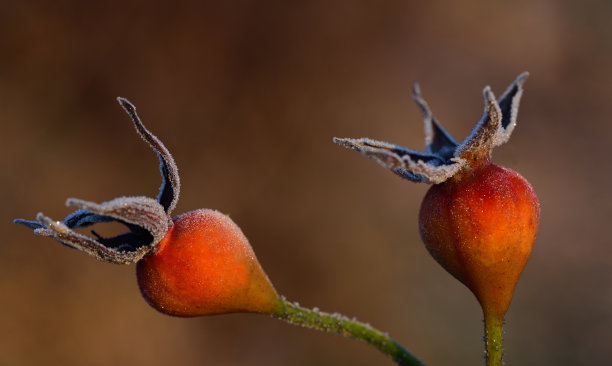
point(480, 226)
point(205, 265)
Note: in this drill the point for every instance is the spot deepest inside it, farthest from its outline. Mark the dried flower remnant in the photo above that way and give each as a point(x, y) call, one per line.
point(478, 220)
point(146, 219)
point(443, 157)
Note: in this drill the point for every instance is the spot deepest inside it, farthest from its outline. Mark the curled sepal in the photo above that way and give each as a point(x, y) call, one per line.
point(45, 226)
point(437, 140)
point(444, 157)
point(171, 185)
point(480, 142)
point(409, 164)
point(509, 105)
point(143, 212)
point(144, 217)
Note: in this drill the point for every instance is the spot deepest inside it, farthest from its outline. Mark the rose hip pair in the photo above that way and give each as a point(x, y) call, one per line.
point(478, 221)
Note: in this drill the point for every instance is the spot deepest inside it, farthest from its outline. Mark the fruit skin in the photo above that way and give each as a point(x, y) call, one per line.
point(480, 226)
point(205, 265)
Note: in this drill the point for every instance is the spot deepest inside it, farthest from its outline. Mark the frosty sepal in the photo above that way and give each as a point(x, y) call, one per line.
point(437, 140)
point(171, 185)
point(508, 105)
point(121, 254)
point(146, 219)
point(443, 156)
point(480, 142)
point(409, 164)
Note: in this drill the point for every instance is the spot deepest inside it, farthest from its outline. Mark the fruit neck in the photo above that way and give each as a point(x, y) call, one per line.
point(483, 161)
point(474, 165)
point(493, 340)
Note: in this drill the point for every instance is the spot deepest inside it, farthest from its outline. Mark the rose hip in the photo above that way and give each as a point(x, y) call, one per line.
point(478, 220)
point(205, 265)
point(480, 226)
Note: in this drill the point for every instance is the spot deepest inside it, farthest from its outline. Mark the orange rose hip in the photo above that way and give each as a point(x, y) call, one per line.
point(481, 227)
point(197, 263)
point(478, 220)
point(205, 265)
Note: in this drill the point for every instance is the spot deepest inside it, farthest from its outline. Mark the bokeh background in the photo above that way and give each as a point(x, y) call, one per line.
point(247, 95)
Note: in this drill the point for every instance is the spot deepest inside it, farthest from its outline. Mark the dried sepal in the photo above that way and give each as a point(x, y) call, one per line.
point(75, 220)
point(444, 157)
point(170, 188)
point(409, 164)
point(437, 139)
point(143, 212)
point(83, 218)
point(509, 105)
point(146, 219)
point(123, 254)
point(480, 142)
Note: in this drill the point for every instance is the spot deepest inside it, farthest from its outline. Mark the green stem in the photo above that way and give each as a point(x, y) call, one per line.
point(336, 323)
point(493, 340)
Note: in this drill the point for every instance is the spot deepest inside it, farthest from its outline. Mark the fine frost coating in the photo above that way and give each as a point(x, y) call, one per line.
point(171, 185)
point(146, 219)
point(437, 140)
point(509, 104)
point(211, 222)
point(443, 156)
point(144, 212)
point(483, 135)
point(409, 164)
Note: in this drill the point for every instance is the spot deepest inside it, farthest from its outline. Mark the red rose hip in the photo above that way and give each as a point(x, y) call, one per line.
point(478, 220)
point(480, 226)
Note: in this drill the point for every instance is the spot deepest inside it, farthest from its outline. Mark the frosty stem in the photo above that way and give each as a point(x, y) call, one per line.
point(339, 324)
point(493, 340)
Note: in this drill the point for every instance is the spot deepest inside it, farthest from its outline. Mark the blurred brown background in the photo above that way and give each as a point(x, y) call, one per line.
point(247, 95)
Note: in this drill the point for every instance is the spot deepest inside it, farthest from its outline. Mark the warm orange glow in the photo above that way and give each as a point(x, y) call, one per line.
point(205, 265)
point(480, 227)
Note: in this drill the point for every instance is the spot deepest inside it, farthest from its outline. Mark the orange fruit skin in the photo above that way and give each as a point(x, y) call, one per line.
point(480, 226)
point(205, 265)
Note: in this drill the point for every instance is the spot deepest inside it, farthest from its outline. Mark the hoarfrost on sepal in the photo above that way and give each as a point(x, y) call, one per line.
point(170, 189)
point(146, 219)
point(509, 104)
point(480, 141)
point(437, 139)
point(409, 164)
point(443, 156)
